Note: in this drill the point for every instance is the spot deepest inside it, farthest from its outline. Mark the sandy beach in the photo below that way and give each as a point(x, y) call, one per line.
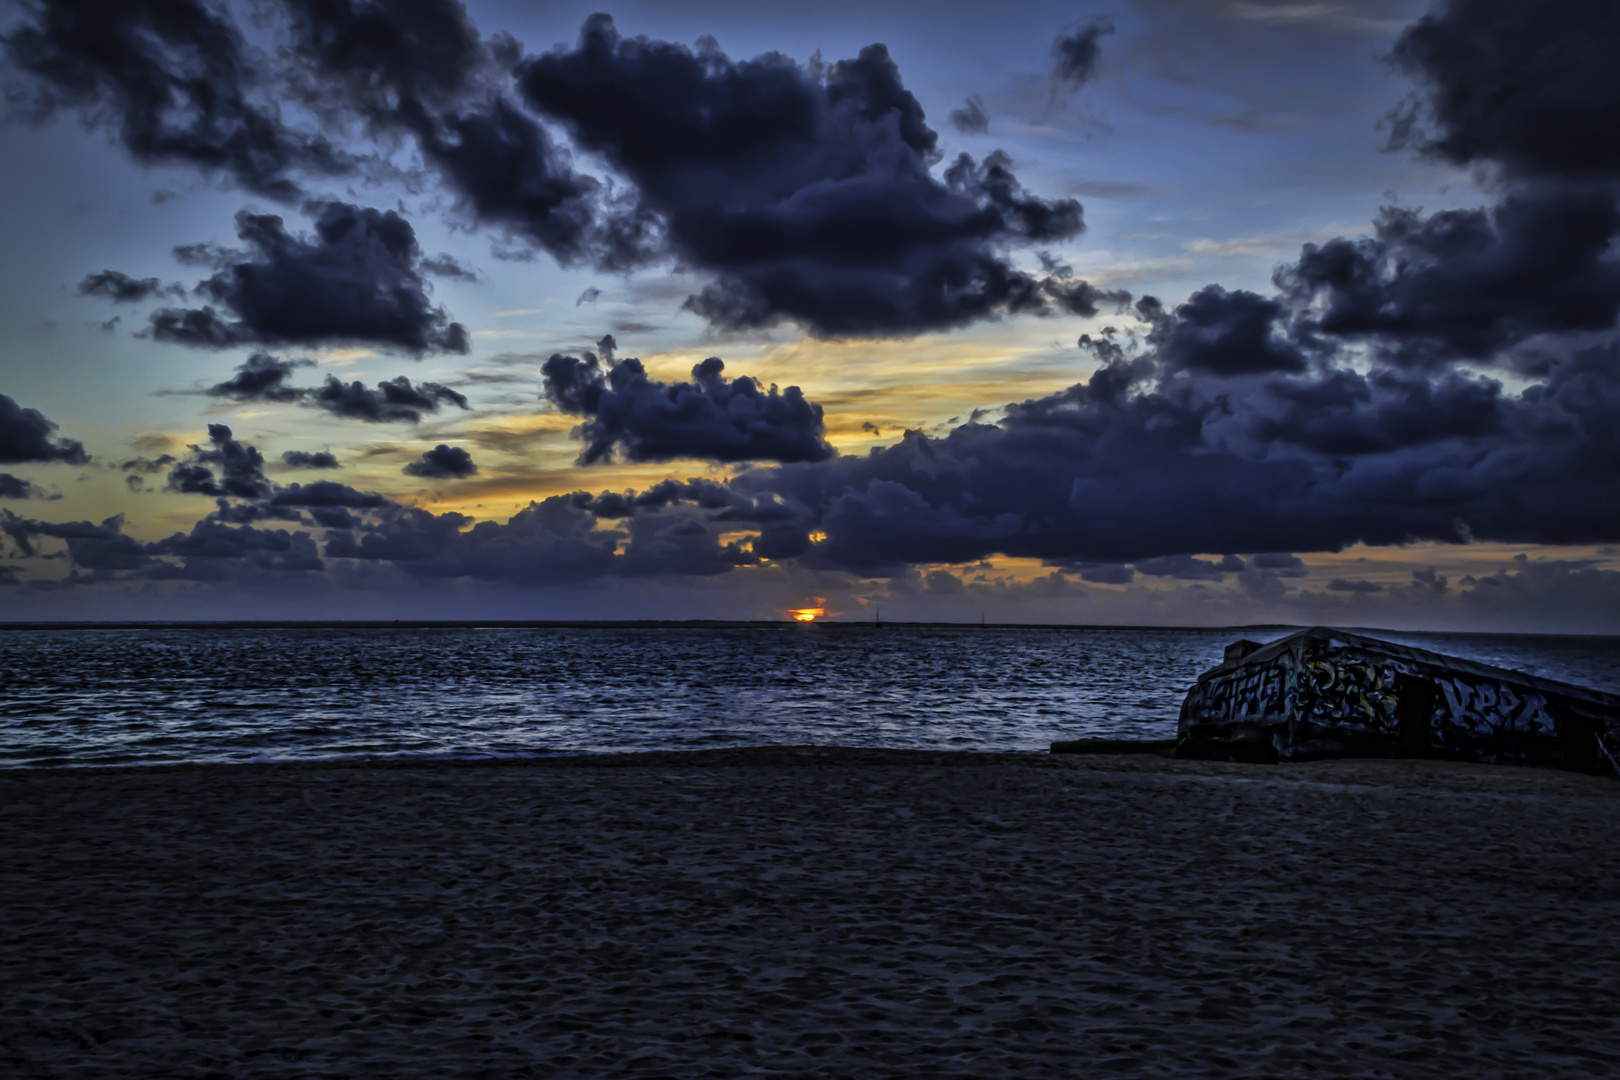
point(811, 913)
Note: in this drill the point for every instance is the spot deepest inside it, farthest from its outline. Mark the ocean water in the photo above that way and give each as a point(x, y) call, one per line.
point(209, 694)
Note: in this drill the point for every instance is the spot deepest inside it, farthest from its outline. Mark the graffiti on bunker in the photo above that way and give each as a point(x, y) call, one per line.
point(1323, 692)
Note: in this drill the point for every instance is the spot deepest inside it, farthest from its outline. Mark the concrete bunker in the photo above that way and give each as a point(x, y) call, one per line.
point(1324, 693)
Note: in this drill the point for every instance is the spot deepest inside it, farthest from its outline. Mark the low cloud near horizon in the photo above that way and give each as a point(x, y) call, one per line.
point(873, 371)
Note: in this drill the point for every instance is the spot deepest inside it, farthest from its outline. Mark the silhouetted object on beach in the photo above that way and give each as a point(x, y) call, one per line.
point(1327, 693)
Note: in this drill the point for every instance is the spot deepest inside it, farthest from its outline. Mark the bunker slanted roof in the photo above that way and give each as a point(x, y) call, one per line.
point(1395, 650)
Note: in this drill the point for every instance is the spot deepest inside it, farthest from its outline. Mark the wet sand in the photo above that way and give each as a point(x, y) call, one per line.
point(811, 913)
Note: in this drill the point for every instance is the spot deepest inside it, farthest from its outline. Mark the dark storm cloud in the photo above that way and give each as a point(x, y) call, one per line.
point(216, 551)
point(394, 400)
point(1075, 56)
point(420, 68)
point(1106, 573)
point(170, 79)
point(553, 542)
point(509, 173)
point(391, 56)
point(810, 197)
point(971, 118)
point(15, 487)
point(548, 543)
point(357, 280)
point(1282, 563)
point(1342, 413)
point(1021, 215)
point(1227, 333)
point(805, 191)
point(147, 466)
point(123, 289)
point(240, 469)
point(1466, 283)
point(262, 377)
point(443, 462)
point(1356, 405)
point(25, 435)
point(304, 459)
point(1149, 462)
point(100, 548)
point(1081, 297)
point(326, 493)
point(1189, 568)
point(711, 418)
point(1532, 87)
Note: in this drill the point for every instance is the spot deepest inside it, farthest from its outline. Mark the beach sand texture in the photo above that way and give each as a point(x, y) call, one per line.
point(840, 914)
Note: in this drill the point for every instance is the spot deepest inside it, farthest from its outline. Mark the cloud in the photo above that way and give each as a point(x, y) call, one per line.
point(1466, 283)
point(241, 469)
point(123, 289)
point(1075, 56)
point(1449, 377)
point(1075, 296)
point(356, 281)
point(509, 173)
point(447, 266)
point(26, 435)
point(1188, 568)
point(552, 542)
point(420, 68)
point(806, 192)
point(1529, 87)
point(171, 80)
point(394, 400)
point(304, 459)
point(971, 118)
point(443, 463)
point(214, 551)
point(1149, 461)
point(15, 487)
point(1426, 579)
point(262, 377)
point(711, 418)
point(147, 465)
point(1106, 573)
point(326, 493)
point(1227, 333)
point(102, 549)
point(828, 214)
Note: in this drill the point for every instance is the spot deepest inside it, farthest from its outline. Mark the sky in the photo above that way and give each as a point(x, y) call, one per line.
point(1173, 312)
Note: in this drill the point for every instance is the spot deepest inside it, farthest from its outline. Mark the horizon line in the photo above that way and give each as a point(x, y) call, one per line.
point(678, 624)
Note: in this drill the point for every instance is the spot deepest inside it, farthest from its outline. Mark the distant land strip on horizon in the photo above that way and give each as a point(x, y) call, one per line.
point(711, 624)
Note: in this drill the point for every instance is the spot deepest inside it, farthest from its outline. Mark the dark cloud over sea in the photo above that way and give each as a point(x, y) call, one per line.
point(1447, 376)
point(357, 280)
point(710, 418)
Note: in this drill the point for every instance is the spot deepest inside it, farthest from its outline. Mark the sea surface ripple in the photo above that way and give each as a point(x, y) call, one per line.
point(210, 694)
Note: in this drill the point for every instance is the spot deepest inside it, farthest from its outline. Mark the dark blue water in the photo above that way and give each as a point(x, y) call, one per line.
point(104, 697)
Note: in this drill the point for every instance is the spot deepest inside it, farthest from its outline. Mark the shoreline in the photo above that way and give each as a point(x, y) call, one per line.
point(1413, 772)
point(810, 911)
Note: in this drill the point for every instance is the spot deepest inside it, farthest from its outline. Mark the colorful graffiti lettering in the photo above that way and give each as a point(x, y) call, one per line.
point(1326, 691)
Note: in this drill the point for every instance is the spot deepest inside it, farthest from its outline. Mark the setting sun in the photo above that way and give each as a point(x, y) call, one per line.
point(806, 614)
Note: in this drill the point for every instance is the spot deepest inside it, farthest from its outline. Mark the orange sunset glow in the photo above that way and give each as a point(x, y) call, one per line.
point(808, 614)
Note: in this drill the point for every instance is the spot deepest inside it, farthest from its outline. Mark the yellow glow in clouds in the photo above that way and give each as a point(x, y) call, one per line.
point(808, 613)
